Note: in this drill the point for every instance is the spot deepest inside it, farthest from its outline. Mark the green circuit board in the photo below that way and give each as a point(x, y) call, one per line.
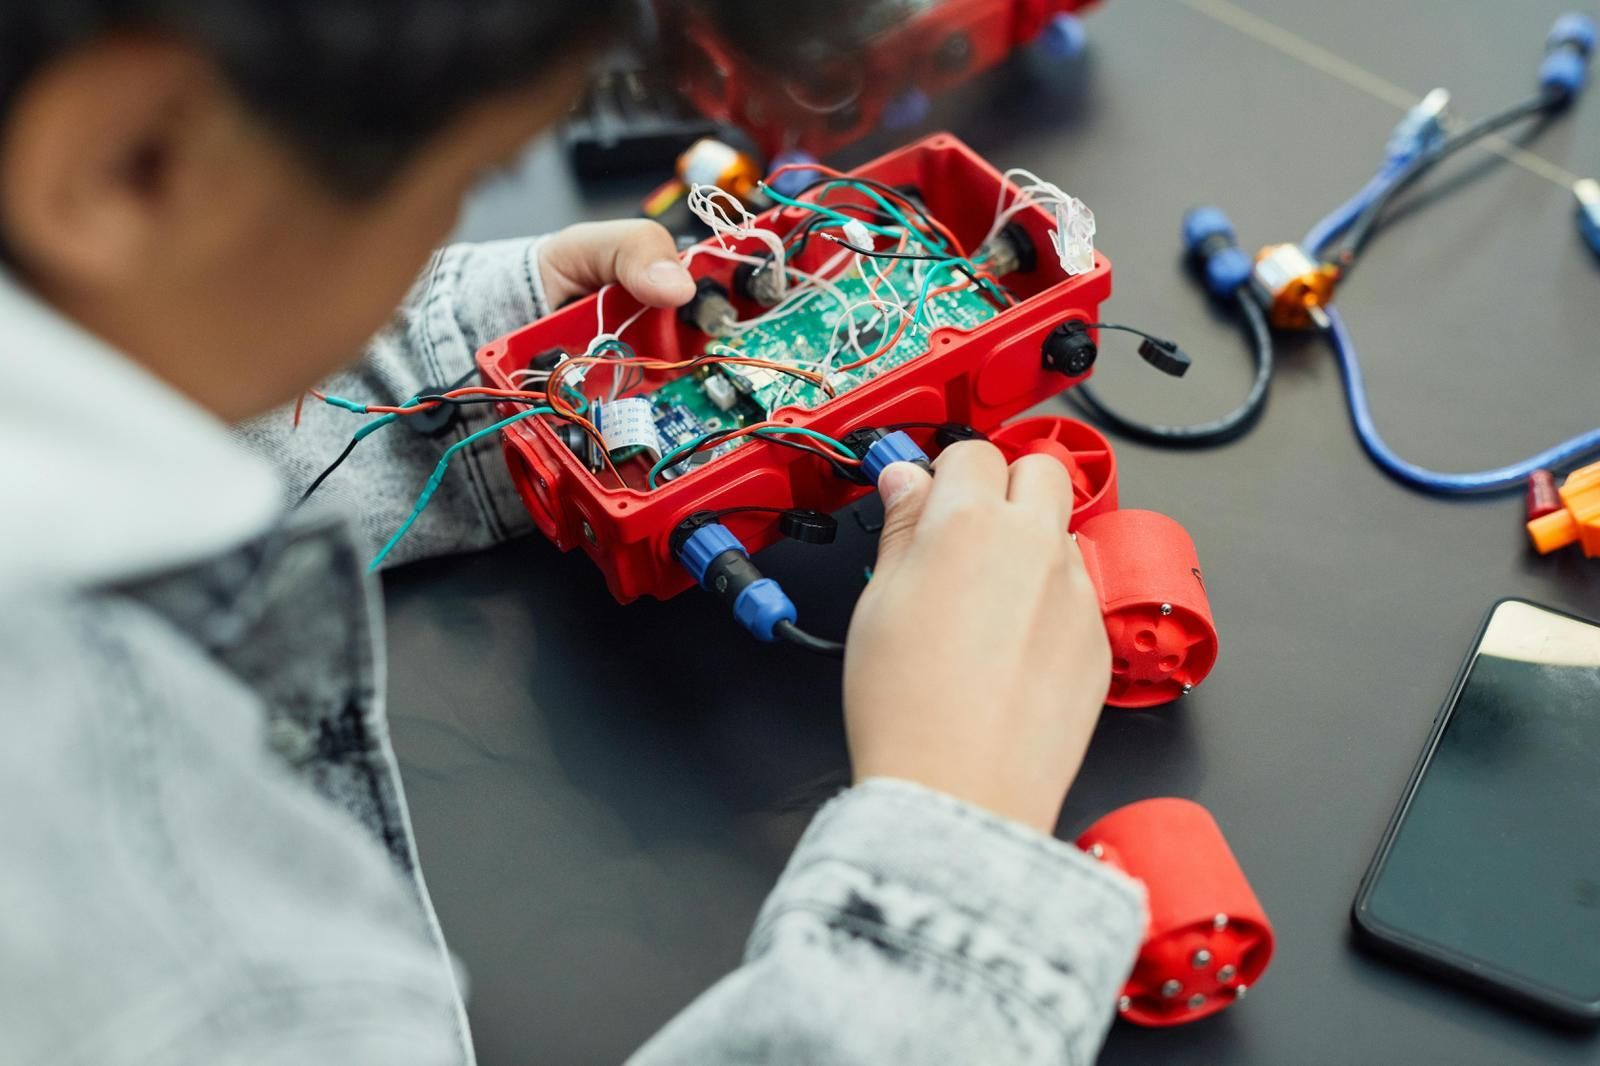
point(811, 334)
point(808, 336)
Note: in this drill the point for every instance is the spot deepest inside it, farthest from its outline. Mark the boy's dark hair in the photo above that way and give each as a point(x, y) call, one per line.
point(359, 85)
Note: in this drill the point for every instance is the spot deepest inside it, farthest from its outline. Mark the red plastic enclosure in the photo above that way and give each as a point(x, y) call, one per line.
point(979, 378)
point(937, 48)
point(1209, 939)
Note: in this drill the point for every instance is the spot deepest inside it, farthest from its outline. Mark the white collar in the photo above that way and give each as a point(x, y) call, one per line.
point(106, 472)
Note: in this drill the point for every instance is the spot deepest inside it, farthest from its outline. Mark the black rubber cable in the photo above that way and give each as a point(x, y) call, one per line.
point(792, 633)
point(1204, 434)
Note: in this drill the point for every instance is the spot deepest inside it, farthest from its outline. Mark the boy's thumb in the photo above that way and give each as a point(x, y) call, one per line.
point(904, 489)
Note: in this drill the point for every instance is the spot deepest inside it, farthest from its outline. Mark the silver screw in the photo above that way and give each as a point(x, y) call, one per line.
point(1166, 608)
point(1197, 1001)
point(543, 484)
point(1227, 973)
point(1202, 959)
point(1171, 988)
point(1097, 850)
point(1240, 990)
point(1124, 1003)
point(1187, 688)
point(1220, 922)
point(588, 532)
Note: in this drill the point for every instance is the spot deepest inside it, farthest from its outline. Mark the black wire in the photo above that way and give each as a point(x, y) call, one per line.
point(326, 474)
point(351, 447)
point(1218, 431)
point(1130, 329)
point(1366, 224)
point(983, 285)
point(786, 629)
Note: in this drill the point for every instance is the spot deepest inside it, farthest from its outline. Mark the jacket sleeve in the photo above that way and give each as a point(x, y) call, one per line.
point(912, 927)
point(469, 295)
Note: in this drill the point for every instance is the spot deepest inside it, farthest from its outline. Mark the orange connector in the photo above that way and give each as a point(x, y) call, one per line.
point(1578, 520)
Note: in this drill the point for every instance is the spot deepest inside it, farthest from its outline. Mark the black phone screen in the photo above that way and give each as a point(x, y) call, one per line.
point(1494, 863)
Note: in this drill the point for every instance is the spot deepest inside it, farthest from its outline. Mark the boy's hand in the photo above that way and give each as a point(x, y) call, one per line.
point(977, 662)
point(637, 254)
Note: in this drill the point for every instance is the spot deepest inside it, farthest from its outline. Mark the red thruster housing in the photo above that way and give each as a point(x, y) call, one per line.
point(1143, 564)
point(980, 378)
point(1209, 939)
point(941, 45)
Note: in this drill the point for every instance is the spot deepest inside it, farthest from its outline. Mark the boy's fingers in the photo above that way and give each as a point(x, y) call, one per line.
point(970, 473)
point(1041, 484)
point(904, 489)
point(638, 254)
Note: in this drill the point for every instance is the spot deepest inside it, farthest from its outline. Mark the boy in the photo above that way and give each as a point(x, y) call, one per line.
point(205, 207)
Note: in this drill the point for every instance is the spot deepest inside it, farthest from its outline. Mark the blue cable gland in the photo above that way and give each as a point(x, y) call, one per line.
point(761, 606)
point(1200, 224)
point(706, 544)
point(1564, 72)
point(1064, 37)
point(1208, 235)
point(905, 110)
point(896, 447)
point(1574, 29)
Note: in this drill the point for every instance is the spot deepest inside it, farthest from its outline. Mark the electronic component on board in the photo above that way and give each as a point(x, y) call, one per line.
point(709, 311)
point(721, 393)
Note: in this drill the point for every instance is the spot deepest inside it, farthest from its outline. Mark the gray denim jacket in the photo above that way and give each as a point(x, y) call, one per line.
point(205, 855)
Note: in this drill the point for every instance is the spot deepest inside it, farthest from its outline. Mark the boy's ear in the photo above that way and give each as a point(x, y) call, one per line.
point(93, 158)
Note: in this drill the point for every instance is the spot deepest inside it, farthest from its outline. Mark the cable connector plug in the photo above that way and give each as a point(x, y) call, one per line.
point(1587, 193)
point(1565, 69)
point(720, 563)
point(1420, 131)
point(1209, 241)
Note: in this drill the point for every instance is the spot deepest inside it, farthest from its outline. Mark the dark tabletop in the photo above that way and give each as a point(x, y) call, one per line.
point(604, 795)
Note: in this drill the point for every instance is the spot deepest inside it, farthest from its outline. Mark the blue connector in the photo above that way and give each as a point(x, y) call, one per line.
point(1565, 69)
point(708, 543)
point(906, 110)
point(1587, 192)
point(1064, 37)
point(896, 447)
point(720, 563)
point(1209, 238)
point(761, 606)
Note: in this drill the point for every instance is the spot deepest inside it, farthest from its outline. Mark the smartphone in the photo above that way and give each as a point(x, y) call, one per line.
point(1489, 872)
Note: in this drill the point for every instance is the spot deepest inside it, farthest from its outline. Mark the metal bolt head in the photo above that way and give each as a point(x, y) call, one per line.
point(1097, 850)
point(1227, 973)
point(1220, 922)
point(588, 534)
point(1187, 688)
point(1124, 1003)
point(1166, 609)
point(1197, 1001)
point(1201, 959)
point(1240, 990)
point(1171, 988)
point(543, 484)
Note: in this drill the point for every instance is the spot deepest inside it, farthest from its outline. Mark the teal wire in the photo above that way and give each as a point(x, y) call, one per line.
point(438, 476)
point(893, 212)
point(688, 446)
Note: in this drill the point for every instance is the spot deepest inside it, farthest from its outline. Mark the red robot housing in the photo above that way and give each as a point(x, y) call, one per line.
point(1209, 939)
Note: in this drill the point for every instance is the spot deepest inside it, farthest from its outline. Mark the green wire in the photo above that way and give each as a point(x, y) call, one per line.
point(689, 446)
point(438, 477)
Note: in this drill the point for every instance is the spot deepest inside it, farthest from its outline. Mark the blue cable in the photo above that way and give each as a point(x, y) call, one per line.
point(1483, 481)
point(438, 476)
point(1343, 216)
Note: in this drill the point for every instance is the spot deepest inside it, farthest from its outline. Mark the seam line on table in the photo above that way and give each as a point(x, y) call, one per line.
point(1335, 66)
